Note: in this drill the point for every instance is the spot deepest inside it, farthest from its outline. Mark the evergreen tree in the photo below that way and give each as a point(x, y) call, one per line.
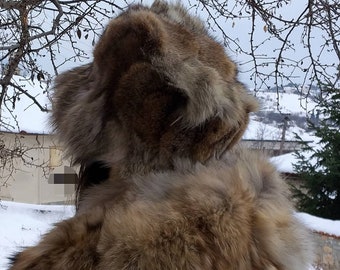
point(319, 163)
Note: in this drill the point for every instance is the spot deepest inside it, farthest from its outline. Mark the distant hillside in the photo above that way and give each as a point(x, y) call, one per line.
point(275, 109)
point(294, 88)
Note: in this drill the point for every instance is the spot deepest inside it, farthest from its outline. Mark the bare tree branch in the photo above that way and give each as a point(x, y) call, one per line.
point(31, 97)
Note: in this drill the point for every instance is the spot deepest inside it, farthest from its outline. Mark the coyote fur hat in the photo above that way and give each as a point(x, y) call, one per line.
point(154, 122)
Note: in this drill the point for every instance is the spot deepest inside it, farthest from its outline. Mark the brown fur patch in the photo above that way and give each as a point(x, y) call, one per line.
point(153, 77)
point(72, 244)
point(161, 106)
point(230, 214)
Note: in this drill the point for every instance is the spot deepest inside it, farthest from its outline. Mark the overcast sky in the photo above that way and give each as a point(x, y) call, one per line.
point(239, 30)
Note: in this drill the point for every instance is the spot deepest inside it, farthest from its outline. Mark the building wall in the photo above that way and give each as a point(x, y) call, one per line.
point(327, 251)
point(26, 175)
point(27, 168)
point(271, 147)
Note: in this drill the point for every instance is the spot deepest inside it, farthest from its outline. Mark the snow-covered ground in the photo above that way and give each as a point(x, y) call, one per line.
point(288, 103)
point(23, 224)
point(260, 131)
point(284, 163)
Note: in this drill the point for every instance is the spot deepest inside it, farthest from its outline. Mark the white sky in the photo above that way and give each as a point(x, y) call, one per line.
point(239, 31)
point(26, 116)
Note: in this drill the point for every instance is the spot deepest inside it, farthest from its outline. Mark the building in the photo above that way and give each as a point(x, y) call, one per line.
point(30, 164)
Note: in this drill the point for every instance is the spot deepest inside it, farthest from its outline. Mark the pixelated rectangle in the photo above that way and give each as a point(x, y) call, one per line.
point(63, 178)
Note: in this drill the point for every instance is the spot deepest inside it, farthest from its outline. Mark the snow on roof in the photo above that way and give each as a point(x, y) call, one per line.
point(321, 225)
point(24, 115)
point(284, 163)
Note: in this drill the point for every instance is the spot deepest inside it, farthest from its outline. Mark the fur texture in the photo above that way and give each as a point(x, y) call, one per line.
point(154, 121)
point(159, 88)
point(227, 214)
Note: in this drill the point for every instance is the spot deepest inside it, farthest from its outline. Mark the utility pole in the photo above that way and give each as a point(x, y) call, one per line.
point(284, 128)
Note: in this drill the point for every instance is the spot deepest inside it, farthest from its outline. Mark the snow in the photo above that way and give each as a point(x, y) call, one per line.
point(331, 227)
point(24, 224)
point(288, 103)
point(260, 131)
point(284, 163)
